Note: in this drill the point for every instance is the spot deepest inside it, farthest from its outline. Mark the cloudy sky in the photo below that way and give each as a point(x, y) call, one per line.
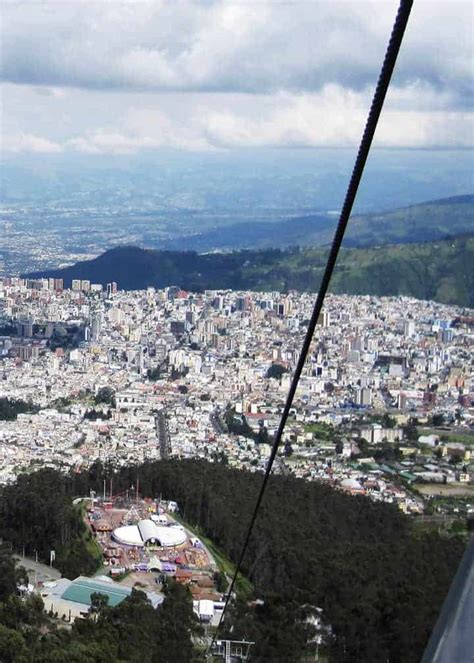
point(119, 77)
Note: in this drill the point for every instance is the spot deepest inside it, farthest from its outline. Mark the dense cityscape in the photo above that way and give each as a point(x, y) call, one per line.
point(384, 403)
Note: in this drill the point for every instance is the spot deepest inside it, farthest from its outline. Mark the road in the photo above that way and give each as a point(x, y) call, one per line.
point(38, 572)
point(162, 434)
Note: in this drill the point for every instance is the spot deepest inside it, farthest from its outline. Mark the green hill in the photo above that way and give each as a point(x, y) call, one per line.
point(378, 577)
point(441, 270)
point(423, 222)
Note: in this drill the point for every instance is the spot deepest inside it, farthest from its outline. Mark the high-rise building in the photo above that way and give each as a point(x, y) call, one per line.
point(96, 327)
point(325, 319)
point(364, 397)
point(408, 328)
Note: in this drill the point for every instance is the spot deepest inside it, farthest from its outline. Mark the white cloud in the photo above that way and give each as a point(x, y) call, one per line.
point(117, 76)
point(29, 143)
point(334, 117)
point(231, 46)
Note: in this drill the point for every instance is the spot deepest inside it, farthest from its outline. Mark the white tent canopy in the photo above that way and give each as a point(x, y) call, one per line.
point(146, 532)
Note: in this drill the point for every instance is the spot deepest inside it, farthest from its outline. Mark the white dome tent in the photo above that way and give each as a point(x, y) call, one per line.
point(147, 533)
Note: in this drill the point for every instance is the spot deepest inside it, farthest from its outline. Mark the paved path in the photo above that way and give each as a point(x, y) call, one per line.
point(42, 572)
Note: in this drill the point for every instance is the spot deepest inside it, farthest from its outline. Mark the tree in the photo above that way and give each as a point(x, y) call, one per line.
point(437, 420)
point(364, 446)
point(262, 436)
point(276, 371)
point(176, 626)
point(410, 431)
point(105, 395)
point(220, 580)
point(98, 602)
point(11, 408)
point(12, 646)
point(8, 576)
point(154, 374)
point(388, 421)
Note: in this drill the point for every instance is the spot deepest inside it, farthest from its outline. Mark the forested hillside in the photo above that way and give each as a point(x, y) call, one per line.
point(379, 581)
point(440, 270)
point(37, 516)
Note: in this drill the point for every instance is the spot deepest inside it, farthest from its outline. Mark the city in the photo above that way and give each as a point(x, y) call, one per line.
point(384, 407)
point(236, 332)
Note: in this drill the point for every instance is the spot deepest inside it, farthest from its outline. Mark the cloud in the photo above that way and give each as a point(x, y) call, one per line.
point(249, 47)
point(334, 117)
point(119, 76)
point(29, 143)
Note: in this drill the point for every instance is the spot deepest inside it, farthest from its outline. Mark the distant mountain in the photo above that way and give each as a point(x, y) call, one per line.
point(311, 230)
point(428, 221)
point(433, 270)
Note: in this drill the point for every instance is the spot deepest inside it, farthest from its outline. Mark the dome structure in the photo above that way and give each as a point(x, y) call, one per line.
point(148, 533)
point(352, 485)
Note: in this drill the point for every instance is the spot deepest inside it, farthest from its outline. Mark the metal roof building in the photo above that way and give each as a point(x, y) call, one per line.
point(72, 598)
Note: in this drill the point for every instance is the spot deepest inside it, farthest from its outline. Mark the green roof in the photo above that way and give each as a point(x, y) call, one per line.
point(81, 590)
point(388, 469)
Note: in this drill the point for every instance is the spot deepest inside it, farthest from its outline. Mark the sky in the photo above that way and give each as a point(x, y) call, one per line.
point(113, 77)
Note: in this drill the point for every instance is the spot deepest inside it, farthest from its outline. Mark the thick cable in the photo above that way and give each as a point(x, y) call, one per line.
point(381, 89)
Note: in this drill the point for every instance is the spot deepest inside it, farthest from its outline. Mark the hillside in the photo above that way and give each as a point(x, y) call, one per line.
point(428, 221)
point(441, 271)
point(379, 579)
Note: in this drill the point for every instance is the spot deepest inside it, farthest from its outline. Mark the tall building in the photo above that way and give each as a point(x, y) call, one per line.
point(408, 328)
point(364, 397)
point(325, 319)
point(96, 327)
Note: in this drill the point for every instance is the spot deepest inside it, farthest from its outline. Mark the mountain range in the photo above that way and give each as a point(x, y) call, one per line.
point(428, 221)
point(440, 270)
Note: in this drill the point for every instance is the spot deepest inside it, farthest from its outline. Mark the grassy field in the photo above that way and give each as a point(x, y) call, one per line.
point(463, 438)
point(243, 586)
point(446, 489)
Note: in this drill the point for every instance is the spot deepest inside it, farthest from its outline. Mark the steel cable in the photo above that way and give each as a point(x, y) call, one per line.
point(381, 89)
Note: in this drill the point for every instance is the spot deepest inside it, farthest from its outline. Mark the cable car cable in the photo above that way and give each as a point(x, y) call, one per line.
point(380, 93)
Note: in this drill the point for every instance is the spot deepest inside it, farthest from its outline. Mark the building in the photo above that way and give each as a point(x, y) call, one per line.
point(71, 599)
point(147, 533)
point(364, 397)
